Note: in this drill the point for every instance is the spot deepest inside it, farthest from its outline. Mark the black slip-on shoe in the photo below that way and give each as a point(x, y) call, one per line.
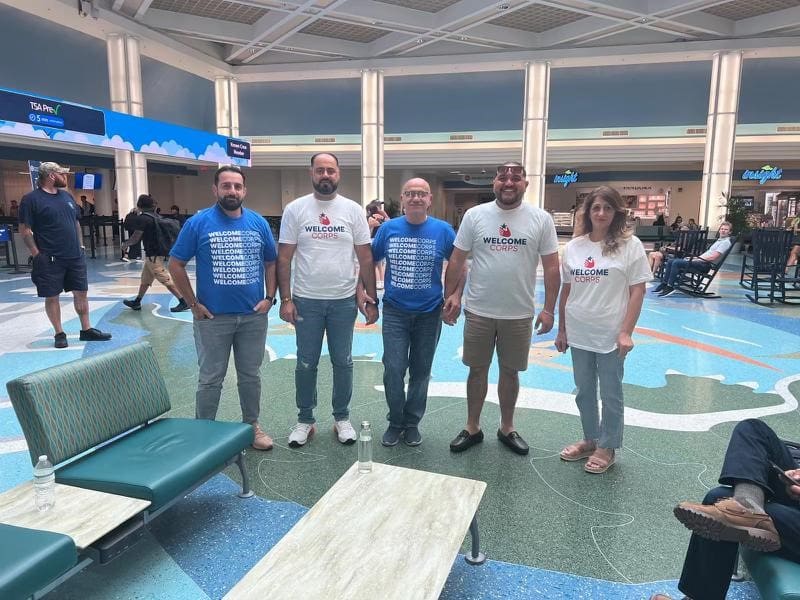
point(666, 291)
point(133, 304)
point(180, 306)
point(391, 436)
point(412, 436)
point(514, 441)
point(61, 340)
point(465, 440)
point(94, 335)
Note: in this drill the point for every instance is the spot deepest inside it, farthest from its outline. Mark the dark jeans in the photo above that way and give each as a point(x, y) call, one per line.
point(409, 342)
point(676, 266)
point(709, 565)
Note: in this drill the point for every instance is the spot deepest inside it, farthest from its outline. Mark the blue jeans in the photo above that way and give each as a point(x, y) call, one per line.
point(676, 266)
point(214, 339)
point(409, 342)
point(335, 318)
point(588, 369)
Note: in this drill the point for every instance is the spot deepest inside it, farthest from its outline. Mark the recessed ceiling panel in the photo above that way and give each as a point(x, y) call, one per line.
point(537, 18)
point(430, 6)
point(744, 9)
point(344, 31)
point(213, 9)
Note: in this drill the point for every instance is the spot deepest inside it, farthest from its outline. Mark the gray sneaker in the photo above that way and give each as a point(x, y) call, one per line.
point(392, 436)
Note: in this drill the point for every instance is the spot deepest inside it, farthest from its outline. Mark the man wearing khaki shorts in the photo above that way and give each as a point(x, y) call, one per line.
point(154, 266)
point(506, 239)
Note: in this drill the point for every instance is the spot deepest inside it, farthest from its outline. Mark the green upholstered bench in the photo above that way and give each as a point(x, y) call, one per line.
point(777, 578)
point(108, 407)
point(33, 561)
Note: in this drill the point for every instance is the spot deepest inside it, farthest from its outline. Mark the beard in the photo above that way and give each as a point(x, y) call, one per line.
point(230, 203)
point(61, 182)
point(325, 186)
point(508, 200)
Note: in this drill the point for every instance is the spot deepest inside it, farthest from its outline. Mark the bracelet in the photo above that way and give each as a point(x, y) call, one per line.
point(286, 299)
point(193, 304)
point(547, 312)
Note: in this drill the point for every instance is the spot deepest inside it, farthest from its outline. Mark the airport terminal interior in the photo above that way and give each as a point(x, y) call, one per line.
point(672, 103)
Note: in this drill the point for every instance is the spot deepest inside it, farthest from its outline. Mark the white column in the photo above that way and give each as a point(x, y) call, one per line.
point(103, 198)
point(226, 95)
point(534, 129)
point(371, 136)
point(125, 83)
point(723, 106)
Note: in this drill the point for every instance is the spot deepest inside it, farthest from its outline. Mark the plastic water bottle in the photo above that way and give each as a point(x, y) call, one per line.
point(44, 484)
point(365, 448)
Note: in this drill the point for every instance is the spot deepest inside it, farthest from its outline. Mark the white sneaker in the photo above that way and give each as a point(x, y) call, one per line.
point(300, 434)
point(344, 430)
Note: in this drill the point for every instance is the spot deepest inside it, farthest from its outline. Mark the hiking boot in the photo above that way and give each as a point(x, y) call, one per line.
point(94, 335)
point(729, 521)
point(261, 441)
point(345, 432)
point(135, 304)
point(180, 307)
point(301, 434)
point(61, 340)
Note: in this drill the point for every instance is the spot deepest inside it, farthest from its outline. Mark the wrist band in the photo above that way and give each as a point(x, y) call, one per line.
point(547, 312)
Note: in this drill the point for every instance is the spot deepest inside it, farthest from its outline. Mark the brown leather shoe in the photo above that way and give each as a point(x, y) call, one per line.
point(261, 441)
point(729, 521)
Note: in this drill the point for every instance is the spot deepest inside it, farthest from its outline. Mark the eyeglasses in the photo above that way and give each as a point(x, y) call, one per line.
point(513, 169)
point(416, 194)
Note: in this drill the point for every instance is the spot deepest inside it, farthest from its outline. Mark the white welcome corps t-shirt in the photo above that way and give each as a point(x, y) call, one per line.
point(599, 290)
point(324, 233)
point(505, 246)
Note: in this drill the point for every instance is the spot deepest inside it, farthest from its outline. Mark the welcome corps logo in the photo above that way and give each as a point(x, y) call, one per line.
point(324, 231)
point(588, 274)
point(504, 243)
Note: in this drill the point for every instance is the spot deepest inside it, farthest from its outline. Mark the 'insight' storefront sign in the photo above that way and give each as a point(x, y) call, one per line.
point(566, 177)
point(762, 175)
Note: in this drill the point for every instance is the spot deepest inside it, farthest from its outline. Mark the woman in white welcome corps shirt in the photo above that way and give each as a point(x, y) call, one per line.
point(604, 269)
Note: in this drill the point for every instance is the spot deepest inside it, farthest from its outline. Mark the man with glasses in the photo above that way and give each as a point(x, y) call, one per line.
point(48, 223)
point(415, 247)
point(506, 238)
point(326, 235)
point(235, 255)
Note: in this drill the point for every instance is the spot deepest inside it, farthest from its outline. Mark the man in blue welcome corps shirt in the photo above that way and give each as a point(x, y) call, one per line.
point(235, 254)
point(415, 247)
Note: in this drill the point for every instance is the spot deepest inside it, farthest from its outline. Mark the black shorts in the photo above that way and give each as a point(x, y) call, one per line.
point(53, 275)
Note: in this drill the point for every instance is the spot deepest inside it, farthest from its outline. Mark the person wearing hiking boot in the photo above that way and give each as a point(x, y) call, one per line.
point(414, 246)
point(755, 507)
point(698, 264)
point(49, 226)
point(326, 235)
point(145, 229)
point(604, 269)
point(506, 237)
point(235, 255)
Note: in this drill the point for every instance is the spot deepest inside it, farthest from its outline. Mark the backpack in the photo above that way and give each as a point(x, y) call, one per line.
point(166, 232)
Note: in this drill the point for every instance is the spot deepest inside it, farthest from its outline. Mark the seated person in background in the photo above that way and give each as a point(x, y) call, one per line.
point(755, 506)
point(676, 224)
point(659, 222)
point(692, 225)
point(794, 253)
point(655, 258)
point(698, 264)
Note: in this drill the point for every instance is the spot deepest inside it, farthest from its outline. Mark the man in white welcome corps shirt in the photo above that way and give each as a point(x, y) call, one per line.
point(325, 233)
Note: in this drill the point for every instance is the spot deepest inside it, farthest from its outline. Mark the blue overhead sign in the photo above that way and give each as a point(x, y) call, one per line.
point(762, 175)
point(22, 108)
point(566, 177)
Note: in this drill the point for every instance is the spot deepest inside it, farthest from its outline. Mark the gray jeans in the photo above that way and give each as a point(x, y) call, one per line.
point(214, 338)
point(589, 368)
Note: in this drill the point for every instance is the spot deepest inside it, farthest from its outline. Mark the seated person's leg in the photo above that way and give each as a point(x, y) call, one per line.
point(787, 521)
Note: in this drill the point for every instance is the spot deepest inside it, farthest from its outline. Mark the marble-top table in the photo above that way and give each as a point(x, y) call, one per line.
point(391, 534)
point(84, 515)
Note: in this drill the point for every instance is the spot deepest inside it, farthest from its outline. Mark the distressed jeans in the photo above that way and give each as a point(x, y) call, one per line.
point(409, 342)
point(588, 369)
point(318, 318)
point(214, 338)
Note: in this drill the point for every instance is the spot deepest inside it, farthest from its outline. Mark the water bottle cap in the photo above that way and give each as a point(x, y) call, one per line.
point(364, 423)
point(43, 457)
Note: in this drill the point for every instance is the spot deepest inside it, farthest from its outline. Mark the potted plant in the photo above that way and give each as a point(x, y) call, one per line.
point(736, 213)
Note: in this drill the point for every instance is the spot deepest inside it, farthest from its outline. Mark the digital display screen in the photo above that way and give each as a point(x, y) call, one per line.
point(49, 113)
point(238, 149)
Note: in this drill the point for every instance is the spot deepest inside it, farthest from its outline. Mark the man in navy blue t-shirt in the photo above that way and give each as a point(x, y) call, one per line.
point(235, 254)
point(48, 223)
point(415, 247)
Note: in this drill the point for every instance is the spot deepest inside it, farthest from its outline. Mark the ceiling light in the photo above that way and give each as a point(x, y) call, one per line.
point(643, 20)
point(503, 6)
point(419, 40)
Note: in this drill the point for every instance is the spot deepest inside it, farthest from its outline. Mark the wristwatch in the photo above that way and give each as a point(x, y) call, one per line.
point(271, 299)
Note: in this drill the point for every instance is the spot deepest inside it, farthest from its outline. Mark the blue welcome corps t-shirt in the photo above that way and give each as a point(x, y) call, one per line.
point(230, 255)
point(414, 256)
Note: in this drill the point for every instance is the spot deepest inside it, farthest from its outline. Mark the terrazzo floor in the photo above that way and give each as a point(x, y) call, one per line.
point(550, 530)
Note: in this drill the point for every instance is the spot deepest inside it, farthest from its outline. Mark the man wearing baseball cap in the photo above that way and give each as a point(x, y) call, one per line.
point(48, 223)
